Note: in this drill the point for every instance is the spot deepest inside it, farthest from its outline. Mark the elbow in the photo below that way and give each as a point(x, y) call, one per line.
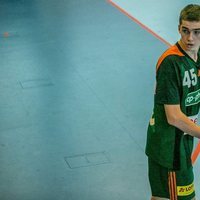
point(172, 120)
point(173, 114)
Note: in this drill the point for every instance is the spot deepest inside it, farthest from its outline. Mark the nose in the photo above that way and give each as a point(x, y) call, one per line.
point(190, 36)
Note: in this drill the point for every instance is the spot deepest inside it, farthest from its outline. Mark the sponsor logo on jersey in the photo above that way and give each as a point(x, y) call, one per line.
point(185, 190)
point(193, 98)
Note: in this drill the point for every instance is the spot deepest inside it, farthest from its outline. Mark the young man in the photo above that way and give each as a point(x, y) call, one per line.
point(176, 105)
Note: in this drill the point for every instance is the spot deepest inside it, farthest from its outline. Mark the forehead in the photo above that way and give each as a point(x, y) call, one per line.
point(191, 25)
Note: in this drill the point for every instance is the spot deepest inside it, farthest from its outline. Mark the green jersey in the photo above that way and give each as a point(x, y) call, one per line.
point(177, 82)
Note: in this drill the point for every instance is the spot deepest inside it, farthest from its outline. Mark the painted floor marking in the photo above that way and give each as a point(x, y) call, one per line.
point(139, 22)
point(87, 159)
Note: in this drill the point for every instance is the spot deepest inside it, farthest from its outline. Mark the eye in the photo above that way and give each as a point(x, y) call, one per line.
point(185, 31)
point(196, 32)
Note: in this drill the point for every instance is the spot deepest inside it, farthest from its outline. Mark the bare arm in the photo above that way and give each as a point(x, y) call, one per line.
point(177, 118)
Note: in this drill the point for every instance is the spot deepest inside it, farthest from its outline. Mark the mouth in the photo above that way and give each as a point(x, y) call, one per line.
point(189, 45)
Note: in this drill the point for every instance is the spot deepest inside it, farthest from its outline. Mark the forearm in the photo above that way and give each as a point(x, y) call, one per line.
point(187, 126)
point(180, 120)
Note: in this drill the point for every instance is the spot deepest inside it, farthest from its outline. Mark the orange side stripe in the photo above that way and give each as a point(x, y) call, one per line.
point(172, 186)
point(196, 153)
point(175, 186)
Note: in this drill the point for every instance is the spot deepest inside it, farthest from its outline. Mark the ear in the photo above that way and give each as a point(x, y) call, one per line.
point(179, 28)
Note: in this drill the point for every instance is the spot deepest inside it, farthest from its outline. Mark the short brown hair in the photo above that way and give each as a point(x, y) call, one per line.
point(190, 13)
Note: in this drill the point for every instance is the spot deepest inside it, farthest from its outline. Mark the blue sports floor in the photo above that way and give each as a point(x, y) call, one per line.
point(77, 82)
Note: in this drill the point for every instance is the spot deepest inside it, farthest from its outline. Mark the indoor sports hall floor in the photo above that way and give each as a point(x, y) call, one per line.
point(77, 83)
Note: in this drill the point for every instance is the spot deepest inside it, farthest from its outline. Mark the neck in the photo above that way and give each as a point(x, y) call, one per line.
point(192, 53)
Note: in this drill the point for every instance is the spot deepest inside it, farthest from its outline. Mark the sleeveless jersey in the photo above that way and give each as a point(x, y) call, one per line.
point(177, 82)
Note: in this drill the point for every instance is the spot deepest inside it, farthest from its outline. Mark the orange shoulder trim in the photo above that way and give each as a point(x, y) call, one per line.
point(171, 51)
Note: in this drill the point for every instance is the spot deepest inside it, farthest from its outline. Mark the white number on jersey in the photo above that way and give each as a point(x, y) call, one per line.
point(190, 79)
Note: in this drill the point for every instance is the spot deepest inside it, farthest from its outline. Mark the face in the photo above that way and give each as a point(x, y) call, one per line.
point(190, 35)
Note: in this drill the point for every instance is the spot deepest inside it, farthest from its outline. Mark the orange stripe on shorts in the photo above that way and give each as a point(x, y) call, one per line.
point(172, 185)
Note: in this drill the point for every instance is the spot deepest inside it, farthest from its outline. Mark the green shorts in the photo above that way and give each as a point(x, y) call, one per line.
point(174, 185)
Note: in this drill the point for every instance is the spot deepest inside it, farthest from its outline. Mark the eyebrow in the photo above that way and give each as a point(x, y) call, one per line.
point(195, 29)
